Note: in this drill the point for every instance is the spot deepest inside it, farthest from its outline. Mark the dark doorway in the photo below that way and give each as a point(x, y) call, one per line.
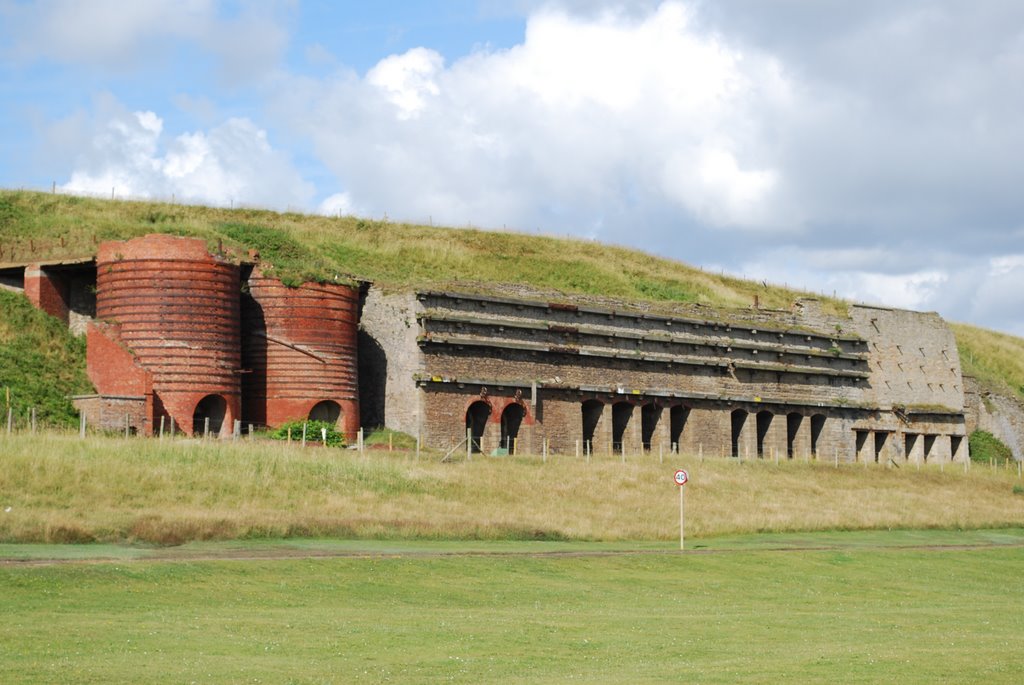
point(817, 425)
point(476, 422)
point(764, 424)
point(592, 410)
point(954, 445)
point(622, 412)
point(909, 442)
point(880, 439)
point(677, 423)
point(650, 414)
point(739, 417)
point(793, 422)
point(511, 420)
point(929, 444)
point(328, 410)
point(212, 407)
point(861, 443)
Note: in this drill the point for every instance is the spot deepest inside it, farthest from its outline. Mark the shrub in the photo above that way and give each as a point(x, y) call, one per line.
point(313, 432)
point(987, 447)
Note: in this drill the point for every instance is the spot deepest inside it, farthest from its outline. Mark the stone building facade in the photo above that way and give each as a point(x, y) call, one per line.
point(511, 374)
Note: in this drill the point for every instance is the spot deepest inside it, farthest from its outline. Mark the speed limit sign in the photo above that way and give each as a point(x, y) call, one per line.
point(681, 477)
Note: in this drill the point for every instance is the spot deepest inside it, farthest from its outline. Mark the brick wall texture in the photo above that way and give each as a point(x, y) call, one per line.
point(879, 384)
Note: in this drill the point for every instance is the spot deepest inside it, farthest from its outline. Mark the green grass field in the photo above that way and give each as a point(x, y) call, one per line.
point(850, 614)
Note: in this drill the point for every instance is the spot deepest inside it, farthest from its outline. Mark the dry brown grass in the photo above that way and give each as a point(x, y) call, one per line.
point(61, 489)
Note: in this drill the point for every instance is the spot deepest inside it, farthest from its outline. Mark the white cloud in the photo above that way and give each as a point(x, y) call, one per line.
point(230, 164)
point(589, 118)
point(119, 35)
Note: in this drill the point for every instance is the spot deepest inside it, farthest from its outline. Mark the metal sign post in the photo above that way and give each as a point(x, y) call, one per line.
point(681, 478)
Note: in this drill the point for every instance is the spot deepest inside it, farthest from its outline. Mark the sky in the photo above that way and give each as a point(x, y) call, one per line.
point(871, 149)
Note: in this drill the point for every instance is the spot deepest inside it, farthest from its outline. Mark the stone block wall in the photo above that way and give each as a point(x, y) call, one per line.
point(752, 383)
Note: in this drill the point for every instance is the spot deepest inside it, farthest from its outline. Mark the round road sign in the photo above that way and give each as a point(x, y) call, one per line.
point(681, 477)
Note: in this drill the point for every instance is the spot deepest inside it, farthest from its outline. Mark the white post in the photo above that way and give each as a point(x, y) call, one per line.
point(577, 449)
point(544, 447)
point(236, 429)
point(323, 435)
point(162, 417)
point(469, 444)
point(206, 428)
point(682, 518)
point(304, 424)
point(623, 449)
point(360, 437)
point(126, 425)
point(81, 425)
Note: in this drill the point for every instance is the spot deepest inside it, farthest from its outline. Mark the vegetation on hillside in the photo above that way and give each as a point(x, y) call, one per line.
point(394, 255)
point(399, 255)
point(41, 363)
point(995, 359)
point(986, 447)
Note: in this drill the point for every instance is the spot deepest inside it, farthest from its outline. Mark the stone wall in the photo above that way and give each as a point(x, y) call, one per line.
point(997, 414)
point(880, 385)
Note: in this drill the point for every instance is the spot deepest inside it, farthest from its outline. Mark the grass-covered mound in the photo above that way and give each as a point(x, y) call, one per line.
point(400, 256)
point(41, 363)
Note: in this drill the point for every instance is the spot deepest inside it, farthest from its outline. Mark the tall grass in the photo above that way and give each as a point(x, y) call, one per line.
point(60, 488)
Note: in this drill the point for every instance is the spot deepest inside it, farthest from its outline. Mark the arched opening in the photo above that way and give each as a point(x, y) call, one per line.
point(677, 422)
point(592, 410)
point(739, 417)
point(622, 412)
point(793, 422)
point(476, 422)
point(764, 424)
point(328, 410)
point(650, 414)
point(211, 408)
point(511, 420)
point(817, 425)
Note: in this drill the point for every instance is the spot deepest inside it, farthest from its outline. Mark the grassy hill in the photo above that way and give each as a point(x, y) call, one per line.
point(399, 256)
point(40, 363)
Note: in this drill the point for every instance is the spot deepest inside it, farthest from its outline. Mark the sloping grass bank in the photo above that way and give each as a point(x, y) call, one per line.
point(61, 489)
point(41, 363)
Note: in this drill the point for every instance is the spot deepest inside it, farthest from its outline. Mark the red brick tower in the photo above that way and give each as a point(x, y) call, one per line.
point(168, 327)
point(299, 350)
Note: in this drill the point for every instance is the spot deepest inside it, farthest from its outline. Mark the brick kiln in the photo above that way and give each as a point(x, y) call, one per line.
point(168, 329)
point(299, 346)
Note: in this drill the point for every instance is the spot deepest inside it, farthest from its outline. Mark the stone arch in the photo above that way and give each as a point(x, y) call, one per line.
point(592, 411)
point(793, 423)
point(678, 416)
point(764, 424)
point(622, 412)
point(212, 407)
point(511, 420)
point(476, 422)
point(326, 410)
point(817, 426)
point(650, 415)
point(738, 420)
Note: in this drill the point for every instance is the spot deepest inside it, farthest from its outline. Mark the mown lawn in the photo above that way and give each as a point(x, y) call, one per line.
point(841, 615)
